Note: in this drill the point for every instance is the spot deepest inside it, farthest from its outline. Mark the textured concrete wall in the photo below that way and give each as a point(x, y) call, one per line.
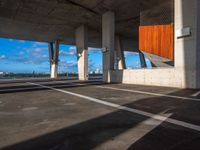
point(168, 77)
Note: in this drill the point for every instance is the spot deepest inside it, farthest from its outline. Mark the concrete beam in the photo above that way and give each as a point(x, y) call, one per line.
point(121, 64)
point(108, 44)
point(54, 58)
point(82, 52)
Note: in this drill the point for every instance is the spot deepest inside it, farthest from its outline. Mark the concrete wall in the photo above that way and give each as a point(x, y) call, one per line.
point(168, 77)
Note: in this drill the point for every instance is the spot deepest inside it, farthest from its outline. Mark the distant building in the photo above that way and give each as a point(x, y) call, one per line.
point(98, 71)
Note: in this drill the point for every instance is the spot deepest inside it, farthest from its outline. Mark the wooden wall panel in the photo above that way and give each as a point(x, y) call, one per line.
point(158, 40)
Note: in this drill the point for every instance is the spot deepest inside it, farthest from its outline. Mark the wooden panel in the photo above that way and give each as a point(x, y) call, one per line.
point(158, 40)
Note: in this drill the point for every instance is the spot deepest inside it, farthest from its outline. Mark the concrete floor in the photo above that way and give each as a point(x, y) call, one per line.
point(76, 115)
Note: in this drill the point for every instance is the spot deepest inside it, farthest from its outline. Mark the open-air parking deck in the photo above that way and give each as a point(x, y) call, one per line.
point(70, 114)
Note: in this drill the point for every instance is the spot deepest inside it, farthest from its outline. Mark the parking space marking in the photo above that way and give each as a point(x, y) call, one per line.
point(120, 107)
point(130, 135)
point(150, 93)
point(196, 94)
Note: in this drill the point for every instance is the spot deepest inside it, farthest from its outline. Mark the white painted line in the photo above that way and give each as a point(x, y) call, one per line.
point(196, 94)
point(150, 93)
point(143, 113)
point(134, 134)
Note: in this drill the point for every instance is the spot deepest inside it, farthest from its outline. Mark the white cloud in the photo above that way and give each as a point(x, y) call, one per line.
point(71, 63)
point(70, 52)
point(68, 63)
point(32, 55)
point(36, 49)
point(2, 57)
point(62, 53)
point(127, 53)
point(22, 41)
point(29, 62)
point(94, 50)
point(67, 53)
point(21, 53)
point(65, 66)
point(137, 64)
point(10, 40)
point(40, 44)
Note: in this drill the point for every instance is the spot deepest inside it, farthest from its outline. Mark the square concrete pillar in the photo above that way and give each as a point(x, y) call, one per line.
point(51, 49)
point(82, 52)
point(53, 58)
point(54, 71)
point(121, 64)
point(187, 37)
point(108, 44)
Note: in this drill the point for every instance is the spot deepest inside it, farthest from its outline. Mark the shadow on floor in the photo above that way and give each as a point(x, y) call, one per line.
point(95, 132)
point(10, 81)
point(30, 88)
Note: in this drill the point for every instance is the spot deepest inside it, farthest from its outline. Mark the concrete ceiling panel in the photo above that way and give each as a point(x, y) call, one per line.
point(47, 20)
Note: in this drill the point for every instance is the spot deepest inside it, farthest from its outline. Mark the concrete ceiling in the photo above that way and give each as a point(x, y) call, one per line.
point(48, 20)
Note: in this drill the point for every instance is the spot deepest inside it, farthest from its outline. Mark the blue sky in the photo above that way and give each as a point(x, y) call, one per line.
point(133, 60)
point(26, 56)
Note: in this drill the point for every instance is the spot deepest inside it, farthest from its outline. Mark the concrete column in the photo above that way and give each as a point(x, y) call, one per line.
point(50, 54)
point(108, 44)
point(187, 48)
point(142, 60)
point(121, 64)
point(54, 71)
point(82, 52)
point(53, 58)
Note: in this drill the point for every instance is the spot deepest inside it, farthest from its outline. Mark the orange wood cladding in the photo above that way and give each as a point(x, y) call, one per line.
point(158, 40)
